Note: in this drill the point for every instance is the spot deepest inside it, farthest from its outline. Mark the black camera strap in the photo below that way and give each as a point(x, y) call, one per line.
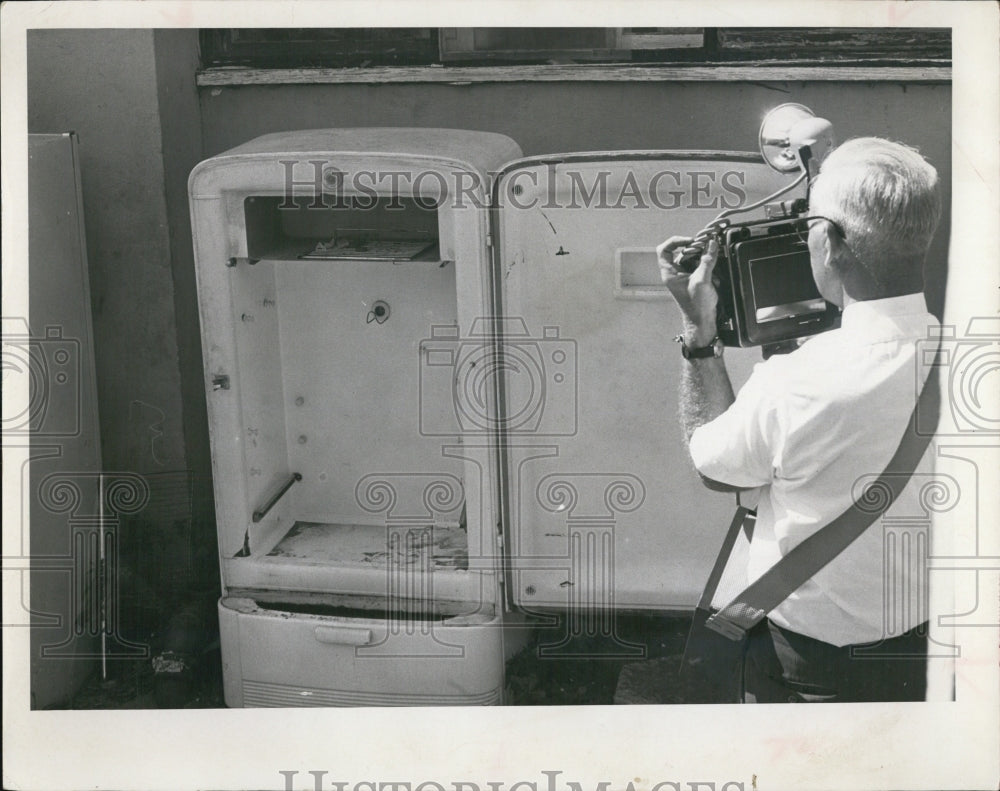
point(802, 563)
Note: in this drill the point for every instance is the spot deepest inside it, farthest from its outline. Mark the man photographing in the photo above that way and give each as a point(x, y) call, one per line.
point(808, 425)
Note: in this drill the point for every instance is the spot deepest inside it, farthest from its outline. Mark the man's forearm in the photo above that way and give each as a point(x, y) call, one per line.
point(705, 392)
point(705, 389)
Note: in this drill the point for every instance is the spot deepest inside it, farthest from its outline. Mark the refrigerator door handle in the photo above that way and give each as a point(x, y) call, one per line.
point(343, 635)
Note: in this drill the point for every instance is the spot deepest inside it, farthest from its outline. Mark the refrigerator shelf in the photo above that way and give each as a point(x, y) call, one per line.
point(418, 568)
point(304, 250)
point(426, 546)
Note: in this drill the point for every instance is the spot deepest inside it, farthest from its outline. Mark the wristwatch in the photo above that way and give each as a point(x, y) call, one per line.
point(714, 349)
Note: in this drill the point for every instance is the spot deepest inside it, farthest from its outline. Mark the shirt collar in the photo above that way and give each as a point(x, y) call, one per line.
point(861, 315)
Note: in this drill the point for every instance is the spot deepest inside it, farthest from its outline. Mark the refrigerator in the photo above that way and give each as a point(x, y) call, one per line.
point(442, 398)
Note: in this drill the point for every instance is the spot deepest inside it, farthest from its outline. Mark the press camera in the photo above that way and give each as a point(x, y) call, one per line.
point(767, 294)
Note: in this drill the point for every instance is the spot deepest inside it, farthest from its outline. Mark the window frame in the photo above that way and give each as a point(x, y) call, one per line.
point(765, 54)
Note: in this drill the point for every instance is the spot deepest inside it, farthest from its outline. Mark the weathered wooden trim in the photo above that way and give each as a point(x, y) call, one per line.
point(458, 75)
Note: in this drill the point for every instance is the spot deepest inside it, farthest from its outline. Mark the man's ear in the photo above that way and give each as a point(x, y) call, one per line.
point(832, 246)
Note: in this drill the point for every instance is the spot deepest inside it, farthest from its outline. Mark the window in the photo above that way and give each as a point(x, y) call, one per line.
point(319, 47)
point(361, 47)
point(564, 44)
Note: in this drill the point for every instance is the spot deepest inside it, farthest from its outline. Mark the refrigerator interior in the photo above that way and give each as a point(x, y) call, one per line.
point(331, 313)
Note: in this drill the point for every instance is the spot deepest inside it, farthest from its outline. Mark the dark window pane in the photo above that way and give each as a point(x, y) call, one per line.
point(330, 47)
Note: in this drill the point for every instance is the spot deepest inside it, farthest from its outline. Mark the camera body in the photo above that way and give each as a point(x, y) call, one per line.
point(767, 294)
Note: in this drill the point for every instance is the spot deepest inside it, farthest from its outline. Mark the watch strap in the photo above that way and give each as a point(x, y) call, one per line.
point(700, 352)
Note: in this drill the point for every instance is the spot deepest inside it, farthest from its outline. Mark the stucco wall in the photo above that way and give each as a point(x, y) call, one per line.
point(177, 59)
point(102, 84)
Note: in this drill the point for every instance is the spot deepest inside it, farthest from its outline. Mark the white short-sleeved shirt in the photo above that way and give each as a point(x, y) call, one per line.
point(806, 427)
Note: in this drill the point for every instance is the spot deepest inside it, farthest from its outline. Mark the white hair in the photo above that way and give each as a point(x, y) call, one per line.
point(886, 198)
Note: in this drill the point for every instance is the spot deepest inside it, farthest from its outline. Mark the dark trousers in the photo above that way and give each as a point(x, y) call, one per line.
point(782, 666)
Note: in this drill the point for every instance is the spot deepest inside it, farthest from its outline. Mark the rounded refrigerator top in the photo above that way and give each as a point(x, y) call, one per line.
point(483, 151)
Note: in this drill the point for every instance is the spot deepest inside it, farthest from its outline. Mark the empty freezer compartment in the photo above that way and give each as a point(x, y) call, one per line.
point(342, 228)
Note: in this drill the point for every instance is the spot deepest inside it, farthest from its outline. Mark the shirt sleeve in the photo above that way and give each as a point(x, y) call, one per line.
point(737, 448)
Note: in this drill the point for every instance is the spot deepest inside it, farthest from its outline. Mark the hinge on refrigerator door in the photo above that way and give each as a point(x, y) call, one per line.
point(501, 577)
point(489, 240)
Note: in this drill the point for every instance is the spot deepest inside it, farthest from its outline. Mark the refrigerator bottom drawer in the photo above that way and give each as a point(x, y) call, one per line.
point(279, 658)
